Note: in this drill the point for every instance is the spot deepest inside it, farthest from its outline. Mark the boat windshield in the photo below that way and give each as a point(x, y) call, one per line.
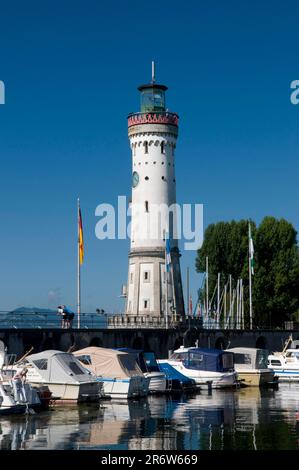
point(242, 358)
point(293, 355)
point(85, 359)
point(182, 356)
point(195, 361)
point(151, 362)
point(227, 361)
point(262, 359)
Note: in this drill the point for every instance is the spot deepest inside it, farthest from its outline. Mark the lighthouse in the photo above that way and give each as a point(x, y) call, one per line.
point(154, 287)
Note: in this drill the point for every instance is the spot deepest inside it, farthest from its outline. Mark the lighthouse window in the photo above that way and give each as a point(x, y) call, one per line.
point(146, 206)
point(131, 278)
point(162, 163)
point(162, 147)
point(146, 276)
point(154, 163)
point(146, 304)
point(146, 178)
point(163, 178)
point(145, 147)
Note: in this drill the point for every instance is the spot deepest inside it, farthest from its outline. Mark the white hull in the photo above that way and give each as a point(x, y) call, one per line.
point(157, 382)
point(125, 388)
point(82, 392)
point(287, 375)
point(202, 378)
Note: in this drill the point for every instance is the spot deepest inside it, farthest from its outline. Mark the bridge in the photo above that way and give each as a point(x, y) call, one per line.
point(43, 331)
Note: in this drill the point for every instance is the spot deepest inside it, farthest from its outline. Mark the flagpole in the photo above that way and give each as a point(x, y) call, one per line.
point(250, 276)
point(250, 293)
point(166, 285)
point(207, 290)
point(188, 292)
point(173, 294)
point(78, 268)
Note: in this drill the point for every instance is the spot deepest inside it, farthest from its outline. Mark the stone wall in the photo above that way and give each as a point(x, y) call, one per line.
point(159, 340)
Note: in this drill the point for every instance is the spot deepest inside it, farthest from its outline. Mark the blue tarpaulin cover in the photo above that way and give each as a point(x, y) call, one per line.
point(209, 359)
point(173, 374)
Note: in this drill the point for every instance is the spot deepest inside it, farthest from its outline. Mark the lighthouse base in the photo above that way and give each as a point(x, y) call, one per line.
point(147, 292)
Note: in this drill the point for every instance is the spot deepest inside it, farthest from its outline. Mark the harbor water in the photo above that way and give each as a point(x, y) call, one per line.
point(248, 418)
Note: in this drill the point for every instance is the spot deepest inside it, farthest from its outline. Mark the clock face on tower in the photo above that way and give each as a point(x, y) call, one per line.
point(135, 179)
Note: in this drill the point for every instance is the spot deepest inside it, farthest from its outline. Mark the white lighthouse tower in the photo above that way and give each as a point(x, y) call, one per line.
point(154, 284)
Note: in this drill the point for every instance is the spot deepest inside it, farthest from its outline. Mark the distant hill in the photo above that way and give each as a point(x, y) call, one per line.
point(28, 316)
point(32, 310)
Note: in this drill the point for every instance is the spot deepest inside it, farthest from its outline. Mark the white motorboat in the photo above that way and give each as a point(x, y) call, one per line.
point(63, 374)
point(251, 366)
point(119, 372)
point(208, 367)
point(16, 395)
point(285, 365)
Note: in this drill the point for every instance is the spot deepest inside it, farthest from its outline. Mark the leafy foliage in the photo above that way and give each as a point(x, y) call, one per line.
point(276, 278)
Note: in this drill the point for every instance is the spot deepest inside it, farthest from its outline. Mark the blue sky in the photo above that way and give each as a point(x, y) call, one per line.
point(71, 69)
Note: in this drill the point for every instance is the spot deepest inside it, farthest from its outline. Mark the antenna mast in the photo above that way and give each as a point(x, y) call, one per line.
point(153, 72)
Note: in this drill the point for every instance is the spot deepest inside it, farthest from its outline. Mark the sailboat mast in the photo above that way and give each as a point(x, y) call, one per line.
point(78, 267)
point(207, 287)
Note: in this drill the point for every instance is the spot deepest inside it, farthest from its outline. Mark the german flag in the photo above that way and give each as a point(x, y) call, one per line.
point(80, 237)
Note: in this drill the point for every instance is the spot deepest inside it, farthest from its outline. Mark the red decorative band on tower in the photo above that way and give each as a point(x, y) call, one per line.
point(153, 118)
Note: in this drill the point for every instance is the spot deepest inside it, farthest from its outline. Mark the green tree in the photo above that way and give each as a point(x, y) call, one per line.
point(276, 283)
point(276, 278)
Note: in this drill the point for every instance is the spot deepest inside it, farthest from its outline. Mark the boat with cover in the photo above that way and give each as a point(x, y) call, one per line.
point(147, 362)
point(251, 365)
point(208, 367)
point(119, 372)
point(63, 374)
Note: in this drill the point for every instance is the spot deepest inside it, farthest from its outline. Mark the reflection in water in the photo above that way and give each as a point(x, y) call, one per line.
point(248, 418)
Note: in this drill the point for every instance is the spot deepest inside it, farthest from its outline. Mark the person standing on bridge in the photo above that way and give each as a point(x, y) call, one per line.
point(69, 316)
point(61, 311)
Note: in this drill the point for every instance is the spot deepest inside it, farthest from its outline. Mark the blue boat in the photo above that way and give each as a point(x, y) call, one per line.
point(176, 382)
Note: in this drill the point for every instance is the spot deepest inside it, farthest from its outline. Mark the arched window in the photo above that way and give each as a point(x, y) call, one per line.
point(145, 146)
point(146, 206)
point(162, 147)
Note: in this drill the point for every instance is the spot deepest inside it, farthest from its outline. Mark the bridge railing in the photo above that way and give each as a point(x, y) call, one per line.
point(149, 321)
point(51, 320)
